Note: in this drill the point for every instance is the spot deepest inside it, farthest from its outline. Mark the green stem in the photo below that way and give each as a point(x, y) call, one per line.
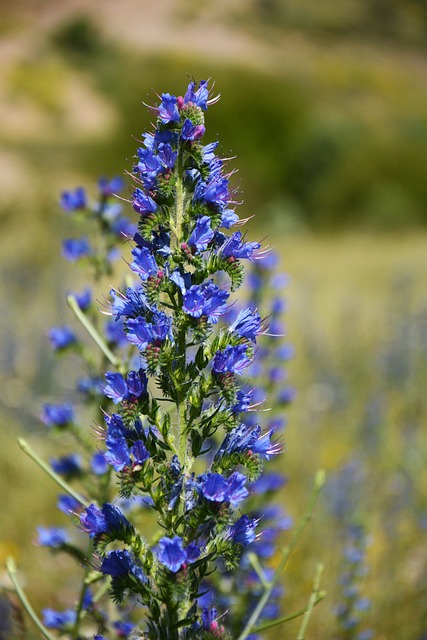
point(311, 603)
point(319, 481)
point(75, 633)
point(179, 200)
point(72, 303)
point(39, 462)
point(292, 616)
point(11, 570)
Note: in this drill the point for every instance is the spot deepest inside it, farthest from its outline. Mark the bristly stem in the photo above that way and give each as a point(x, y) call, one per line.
point(312, 602)
point(179, 199)
point(72, 303)
point(11, 571)
point(319, 481)
point(39, 462)
point(75, 633)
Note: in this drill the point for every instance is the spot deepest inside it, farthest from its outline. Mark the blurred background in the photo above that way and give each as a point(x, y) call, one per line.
point(325, 107)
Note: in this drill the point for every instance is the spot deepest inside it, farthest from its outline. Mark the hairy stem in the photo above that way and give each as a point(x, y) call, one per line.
point(11, 570)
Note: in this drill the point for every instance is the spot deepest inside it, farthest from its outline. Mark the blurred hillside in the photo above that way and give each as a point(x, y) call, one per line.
point(331, 98)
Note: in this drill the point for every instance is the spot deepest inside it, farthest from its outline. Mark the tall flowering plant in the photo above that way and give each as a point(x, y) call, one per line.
point(172, 439)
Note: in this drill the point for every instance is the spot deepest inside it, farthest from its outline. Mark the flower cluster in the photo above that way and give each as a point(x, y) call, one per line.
point(177, 436)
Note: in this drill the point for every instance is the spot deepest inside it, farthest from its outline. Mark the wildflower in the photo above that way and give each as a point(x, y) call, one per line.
point(172, 554)
point(119, 455)
point(143, 204)
point(61, 337)
point(67, 504)
point(119, 563)
point(168, 109)
point(243, 531)
point(202, 234)
point(205, 300)
point(68, 466)
point(54, 537)
point(76, 248)
point(58, 619)
point(58, 415)
point(247, 324)
point(142, 333)
point(215, 488)
point(83, 299)
point(144, 264)
point(108, 187)
point(72, 201)
point(98, 464)
point(231, 360)
point(119, 389)
point(109, 519)
point(235, 247)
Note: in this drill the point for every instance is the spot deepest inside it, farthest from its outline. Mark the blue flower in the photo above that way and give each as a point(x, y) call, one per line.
point(206, 300)
point(83, 299)
point(68, 466)
point(235, 247)
point(231, 360)
point(58, 415)
point(98, 464)
point(119, 563)
point(54, 537)
point(228, 218)
point(131, 303)
point(58, 619)
point(198, 97)
point(143, 204)
point(119, 455)
point(268, 482)
point(123, 629)
point(236, 491)
point(109, 519)
point(192, 131)
point(248, 438)
point(247, 324)
point(75, 248)
point(67, 504)
point(202, 234)
point(214, 192)
point(168, 109)
point(61, 338)
point(215, 488)
point(113, 331)
point(172, 554)
point(142, 333)
point(108, 187)
point(119, 389)
point(144, 264)
point(73, 200)
point(243, 531)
